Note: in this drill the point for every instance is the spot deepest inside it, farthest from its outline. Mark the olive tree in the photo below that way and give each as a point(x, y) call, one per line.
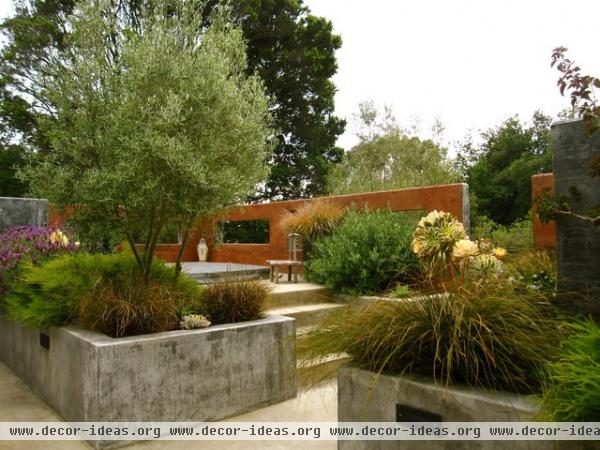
point(151, 127)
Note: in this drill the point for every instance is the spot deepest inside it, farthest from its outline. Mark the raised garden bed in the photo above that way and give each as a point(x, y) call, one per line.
point(192, 375)
point(365, 397)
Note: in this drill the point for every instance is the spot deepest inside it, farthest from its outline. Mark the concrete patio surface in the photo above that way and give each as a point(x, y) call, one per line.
point(19, 403)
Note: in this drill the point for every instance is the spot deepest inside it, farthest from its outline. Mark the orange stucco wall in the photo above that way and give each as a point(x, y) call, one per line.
point(450, 198)
point(544, 236)
point(447, 198)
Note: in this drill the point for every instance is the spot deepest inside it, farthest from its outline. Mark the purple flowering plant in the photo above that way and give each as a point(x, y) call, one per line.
point(36, 244)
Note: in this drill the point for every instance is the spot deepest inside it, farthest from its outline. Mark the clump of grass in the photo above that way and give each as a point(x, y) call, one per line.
point(532, 263)
point(233, 301)
point(478, 335)
point(313, 219)
point(572, 393)
point(127, 310)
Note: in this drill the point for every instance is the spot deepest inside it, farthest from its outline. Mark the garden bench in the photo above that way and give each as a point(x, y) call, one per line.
point(275, 264)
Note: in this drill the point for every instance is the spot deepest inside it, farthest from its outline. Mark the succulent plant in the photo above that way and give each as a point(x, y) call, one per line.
point(193, 321)
point(465, 248)
point(485, 266)
point(435, 237)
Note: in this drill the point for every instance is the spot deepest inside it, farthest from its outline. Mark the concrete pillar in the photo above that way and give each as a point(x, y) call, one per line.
point(578, 241)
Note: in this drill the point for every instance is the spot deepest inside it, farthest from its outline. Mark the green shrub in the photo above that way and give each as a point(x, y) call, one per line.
point(232, 301)
point(481, 336)
point(573, 390)
point(367, 252)
point(534, 270)
point(516, 238)
point(35, 244)
point(103, 292)
point(402, 291)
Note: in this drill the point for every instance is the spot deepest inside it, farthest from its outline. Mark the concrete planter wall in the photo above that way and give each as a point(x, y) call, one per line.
point(23, 211)
point(195, 375)
point(361, 399)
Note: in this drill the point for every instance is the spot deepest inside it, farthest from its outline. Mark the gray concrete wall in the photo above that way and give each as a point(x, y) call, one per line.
point(22, 211)
point(578, 242)
point(192, 375)
point(361, 398)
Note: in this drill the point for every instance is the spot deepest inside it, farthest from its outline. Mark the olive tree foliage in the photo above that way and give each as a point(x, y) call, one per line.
point(389, 157)
point(153, 126)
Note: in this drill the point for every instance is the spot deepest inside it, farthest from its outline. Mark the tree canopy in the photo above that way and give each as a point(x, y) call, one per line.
point(150, 127)
point(292, 51)
point(499, 169)
point(387, 158)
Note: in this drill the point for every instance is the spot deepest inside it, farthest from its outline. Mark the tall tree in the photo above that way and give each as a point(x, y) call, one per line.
point(30, 36)
point(292, 50)
point(163, 125)
point(499, 169)
point(388, 158)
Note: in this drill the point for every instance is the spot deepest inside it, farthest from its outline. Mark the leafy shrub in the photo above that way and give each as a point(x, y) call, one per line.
point(535, 270)
point(485, 337)
point(233, 301)
point(35, 244)
point(434, 240)
point(516, 238)
point(366, 253)
point(573, 390)
point(312, 220)
point(402, 291)
point(103, 292)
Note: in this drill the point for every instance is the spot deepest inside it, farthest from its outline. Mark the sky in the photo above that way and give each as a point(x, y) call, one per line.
point(470, 63)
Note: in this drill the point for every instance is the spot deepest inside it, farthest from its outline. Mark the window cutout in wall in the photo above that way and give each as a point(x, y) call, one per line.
point(244, 232)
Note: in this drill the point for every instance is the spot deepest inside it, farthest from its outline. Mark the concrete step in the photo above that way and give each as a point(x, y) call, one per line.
point(294, 294)
point(307, 315)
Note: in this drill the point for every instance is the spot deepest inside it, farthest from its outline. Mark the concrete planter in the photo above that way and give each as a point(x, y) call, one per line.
point(191, 375)
point(391, 398)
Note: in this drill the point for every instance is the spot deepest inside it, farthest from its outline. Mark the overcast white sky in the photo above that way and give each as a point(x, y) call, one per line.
point(472, 63)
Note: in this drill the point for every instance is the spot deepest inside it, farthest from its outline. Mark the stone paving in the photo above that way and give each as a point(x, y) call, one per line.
point(19, 403)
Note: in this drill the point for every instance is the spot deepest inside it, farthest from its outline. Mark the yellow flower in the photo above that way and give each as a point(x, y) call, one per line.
point(500, 252)
point(416, 246)
point(59, 238)
point(465, 248)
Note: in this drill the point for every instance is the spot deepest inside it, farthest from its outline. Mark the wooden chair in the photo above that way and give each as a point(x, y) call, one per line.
point(291, 265)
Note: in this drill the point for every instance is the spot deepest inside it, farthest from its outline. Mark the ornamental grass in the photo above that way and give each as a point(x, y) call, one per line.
point(478, 335)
